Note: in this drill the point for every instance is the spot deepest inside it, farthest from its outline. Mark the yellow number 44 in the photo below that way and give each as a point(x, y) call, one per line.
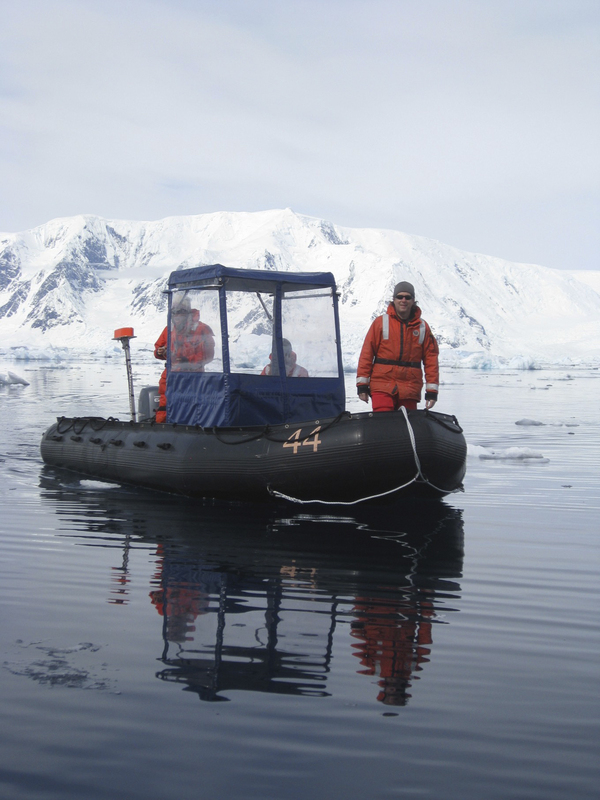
point(294, 440)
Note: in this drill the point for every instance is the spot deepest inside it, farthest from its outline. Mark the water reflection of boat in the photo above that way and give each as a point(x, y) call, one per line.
point(235, 431)
point(257, 602)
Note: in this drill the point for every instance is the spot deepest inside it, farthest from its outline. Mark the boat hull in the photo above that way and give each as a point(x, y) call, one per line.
point(350, 459)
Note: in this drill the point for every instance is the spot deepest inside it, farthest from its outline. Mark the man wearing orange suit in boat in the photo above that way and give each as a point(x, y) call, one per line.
point(398, 342)
point(191, 342)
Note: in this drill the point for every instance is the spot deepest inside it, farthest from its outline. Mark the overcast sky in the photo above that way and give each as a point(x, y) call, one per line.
point(474, 122)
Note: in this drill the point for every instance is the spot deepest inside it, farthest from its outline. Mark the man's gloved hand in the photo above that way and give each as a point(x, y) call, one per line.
point(430, 399)
point(363, 392)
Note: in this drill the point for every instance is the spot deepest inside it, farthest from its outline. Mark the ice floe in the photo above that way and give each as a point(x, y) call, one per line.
point(521, 454)
point(88, 483)
point(537, 423)
point(10, 379)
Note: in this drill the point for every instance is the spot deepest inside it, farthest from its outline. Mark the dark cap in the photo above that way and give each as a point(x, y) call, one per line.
point(404, 286)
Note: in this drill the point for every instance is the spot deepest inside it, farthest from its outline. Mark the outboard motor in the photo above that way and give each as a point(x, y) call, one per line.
point(148, 402)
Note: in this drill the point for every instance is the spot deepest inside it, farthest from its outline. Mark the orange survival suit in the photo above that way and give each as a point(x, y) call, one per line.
point(392, 353)
point(196, 344)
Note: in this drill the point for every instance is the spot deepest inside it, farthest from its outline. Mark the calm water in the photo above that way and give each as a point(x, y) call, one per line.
point(155, 647)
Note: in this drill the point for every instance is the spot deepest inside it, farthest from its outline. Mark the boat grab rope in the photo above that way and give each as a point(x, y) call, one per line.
point(266, 431)
point(253, 438)
point(452, 425)
point(419, 477)
point(79, 424)
point(324, 428)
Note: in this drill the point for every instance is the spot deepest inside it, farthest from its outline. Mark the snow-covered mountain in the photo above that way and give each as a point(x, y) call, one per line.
point(71, 282)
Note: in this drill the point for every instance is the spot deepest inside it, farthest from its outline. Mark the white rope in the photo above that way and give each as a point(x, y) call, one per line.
point(417, 462)
point(341, 502)
point(411, 433)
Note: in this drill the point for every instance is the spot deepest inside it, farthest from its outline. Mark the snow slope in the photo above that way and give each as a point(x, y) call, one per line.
point(69, 283)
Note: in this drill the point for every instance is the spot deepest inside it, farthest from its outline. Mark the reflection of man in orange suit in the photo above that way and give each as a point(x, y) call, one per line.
point(179, 601)
point(391, 644)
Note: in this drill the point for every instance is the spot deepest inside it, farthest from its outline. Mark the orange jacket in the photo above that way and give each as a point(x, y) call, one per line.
point(197, 345)
point(193, 345)
point(392, 353)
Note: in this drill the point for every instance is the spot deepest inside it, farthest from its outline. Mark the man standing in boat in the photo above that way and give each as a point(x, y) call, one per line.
point(192, 342)
point(398, 342)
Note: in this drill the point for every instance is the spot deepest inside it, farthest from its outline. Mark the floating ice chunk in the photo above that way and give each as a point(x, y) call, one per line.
point(521, 452)
point(482, 361)
point(475, 450)
point(522, 362)
point(91, 484)
point(536, 423)
point(16, 379)
point(487, 361)
point(25, 353)
point(10, 379)
point(514, 454)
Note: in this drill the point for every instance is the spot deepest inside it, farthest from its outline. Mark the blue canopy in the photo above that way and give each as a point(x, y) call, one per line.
point(252, 347)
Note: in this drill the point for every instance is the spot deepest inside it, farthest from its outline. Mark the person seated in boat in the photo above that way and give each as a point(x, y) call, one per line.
point(397, 343)
point(192, 343)
point(292, 368)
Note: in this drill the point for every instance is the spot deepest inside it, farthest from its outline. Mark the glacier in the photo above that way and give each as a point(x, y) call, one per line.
point(66, 285)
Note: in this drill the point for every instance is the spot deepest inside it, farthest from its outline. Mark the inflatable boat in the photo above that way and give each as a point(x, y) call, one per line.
point(244, 421)
point(349, 459)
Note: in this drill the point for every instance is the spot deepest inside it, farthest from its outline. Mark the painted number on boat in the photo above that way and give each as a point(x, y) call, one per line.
point(311, 440)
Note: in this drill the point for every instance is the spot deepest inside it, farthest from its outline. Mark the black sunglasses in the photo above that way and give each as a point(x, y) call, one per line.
point(403, 297)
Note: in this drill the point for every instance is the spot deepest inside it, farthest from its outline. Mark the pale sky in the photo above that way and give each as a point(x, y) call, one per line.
point(474, 122)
